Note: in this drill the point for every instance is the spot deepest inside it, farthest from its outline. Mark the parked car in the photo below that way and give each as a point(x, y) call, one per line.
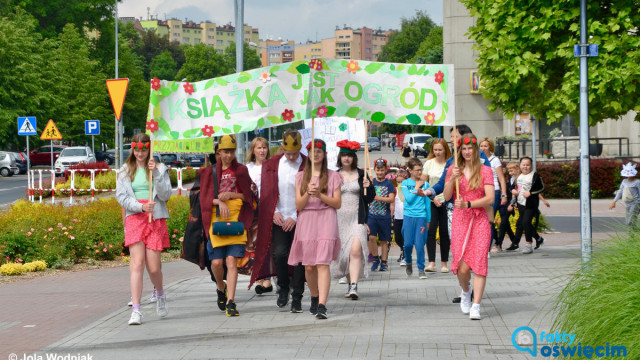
point(8, 165)
point(107, 157)
point(42, 155)
point(416, 143)
point(73, 155)
point(173, 160)
point(125, 154)
point(194, 160)
point(374, 144)
point(21, 162)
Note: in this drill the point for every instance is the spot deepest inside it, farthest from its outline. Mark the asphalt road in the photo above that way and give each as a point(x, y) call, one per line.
point(14, 187)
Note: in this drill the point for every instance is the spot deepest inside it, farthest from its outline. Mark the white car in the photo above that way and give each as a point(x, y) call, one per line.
point(73, 155)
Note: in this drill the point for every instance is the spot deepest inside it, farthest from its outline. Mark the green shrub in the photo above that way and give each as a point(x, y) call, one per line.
point(600, 303)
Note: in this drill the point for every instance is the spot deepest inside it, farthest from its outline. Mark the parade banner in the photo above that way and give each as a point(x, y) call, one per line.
point(183, 116)
point(332, 130)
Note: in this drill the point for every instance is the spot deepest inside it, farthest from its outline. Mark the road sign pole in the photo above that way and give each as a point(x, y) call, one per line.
point(93, 145)
point(51, 150)
point(28, 158)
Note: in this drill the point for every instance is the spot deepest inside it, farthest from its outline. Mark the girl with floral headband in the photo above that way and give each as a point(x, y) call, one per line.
point(470, 227)
point(316, 242)
point(145, 239)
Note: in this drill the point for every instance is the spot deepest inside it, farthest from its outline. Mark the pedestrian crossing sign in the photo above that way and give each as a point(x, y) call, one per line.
point(27, 125)
point(51, 132)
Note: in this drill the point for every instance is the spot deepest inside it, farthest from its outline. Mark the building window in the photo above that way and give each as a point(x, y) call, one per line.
point(176, 34)
point(368, 59)
point(176, 26)
point(340, 37)
point(367, 50)
point(219, 42)
point(196, 41)
point(374, 47)
point(210, 37)
point(185, 40)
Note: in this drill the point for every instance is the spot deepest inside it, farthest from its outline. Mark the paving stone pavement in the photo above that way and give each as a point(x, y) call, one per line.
point(396, 317)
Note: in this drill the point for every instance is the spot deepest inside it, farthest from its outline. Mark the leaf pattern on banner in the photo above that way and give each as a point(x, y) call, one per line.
point(401, 119)
point(303, 68)
point(261, 123)
point(226, 131)
point(244, 77)
point(174, 135)
point(174, 86)
point(445, 108)
point(237, 128)
point(209, 84)
point(274, 69)
point(331, 110)
point(162, 124)
point(216, 128)
point(157, 112)
point(274, 119)
point(414, 119)
point(293, 67)
point(193, 133)
point(153, 98)
point(373, 68)
point(165, 92)
point(221, 81)
point(353, 112)
point(378, 116)
point(342, 109)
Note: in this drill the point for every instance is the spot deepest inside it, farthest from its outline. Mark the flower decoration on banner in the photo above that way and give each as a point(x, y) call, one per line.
point(287, 115)
point(265, 76)
point(188, 88)
point(343, 127)
point(322, 111)
point(439, 77)
point(430, 118)
point(315, 64)
point(152, 125)
point(155, 83)
point(207, 130)
point(353, 66)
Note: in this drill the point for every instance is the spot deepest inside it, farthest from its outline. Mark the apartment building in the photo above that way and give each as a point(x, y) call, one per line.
point(274, 52)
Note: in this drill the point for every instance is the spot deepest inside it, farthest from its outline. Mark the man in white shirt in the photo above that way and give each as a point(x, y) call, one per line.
point(277, 221)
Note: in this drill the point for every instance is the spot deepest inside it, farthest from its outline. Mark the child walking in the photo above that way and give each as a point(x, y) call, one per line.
point(397, 209)
point(417, 214)
point(629, 193)
point(316, 242)
point(379, 221)
point(145, 239)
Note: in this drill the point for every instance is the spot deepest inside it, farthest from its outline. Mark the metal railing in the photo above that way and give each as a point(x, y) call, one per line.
point(562, 147)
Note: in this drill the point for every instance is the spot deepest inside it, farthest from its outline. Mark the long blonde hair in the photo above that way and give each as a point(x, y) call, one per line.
point(323, 184)
point(251, 157)
point(476, 170)
point(131, 160)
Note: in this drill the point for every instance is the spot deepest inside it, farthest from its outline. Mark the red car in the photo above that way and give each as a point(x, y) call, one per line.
point(42, 155)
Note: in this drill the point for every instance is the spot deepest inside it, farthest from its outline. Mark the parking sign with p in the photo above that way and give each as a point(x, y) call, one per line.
point(92, 127)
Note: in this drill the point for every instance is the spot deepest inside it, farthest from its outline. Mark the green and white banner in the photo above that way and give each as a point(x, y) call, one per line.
point(184, 116)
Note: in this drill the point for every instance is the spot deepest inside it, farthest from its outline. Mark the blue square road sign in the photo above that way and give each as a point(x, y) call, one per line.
point(92, 127)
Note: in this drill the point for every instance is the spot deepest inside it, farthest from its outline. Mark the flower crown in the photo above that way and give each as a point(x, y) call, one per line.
point(319, 144)
point(468, 140)
point(348, 147)
point(140, 145)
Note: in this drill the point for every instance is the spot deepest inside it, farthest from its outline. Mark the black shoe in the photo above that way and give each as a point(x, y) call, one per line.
point(222, 299)
point(231, 309)
point(261, 289)
point(283, 298)
point(296, 305)
point(313, 309)
point(539, 242)
point(512, 247)
point(322, 312)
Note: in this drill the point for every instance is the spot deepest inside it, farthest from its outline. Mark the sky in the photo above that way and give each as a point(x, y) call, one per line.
point(298, 20)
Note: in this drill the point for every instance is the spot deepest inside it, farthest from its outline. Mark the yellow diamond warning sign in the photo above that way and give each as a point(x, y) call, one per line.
point(51, 132)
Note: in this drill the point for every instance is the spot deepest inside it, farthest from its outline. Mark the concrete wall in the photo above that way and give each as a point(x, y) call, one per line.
point(471, 109)
point(624, 127)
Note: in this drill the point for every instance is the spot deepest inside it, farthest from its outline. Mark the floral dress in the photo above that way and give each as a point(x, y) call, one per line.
point(349, 230)
point(470, 228)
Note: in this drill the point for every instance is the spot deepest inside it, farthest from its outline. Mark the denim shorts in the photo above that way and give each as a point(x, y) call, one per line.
point(380, 228)
point(224, 251)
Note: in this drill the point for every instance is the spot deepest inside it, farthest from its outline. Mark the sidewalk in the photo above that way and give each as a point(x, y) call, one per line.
point(396, 317)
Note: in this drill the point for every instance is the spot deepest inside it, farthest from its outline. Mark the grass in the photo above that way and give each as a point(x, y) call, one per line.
point(601, 303)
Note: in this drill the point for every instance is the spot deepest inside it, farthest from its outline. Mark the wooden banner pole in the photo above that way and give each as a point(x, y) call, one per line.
point(150, 182)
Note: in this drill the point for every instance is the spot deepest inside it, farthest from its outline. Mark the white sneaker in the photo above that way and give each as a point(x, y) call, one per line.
point(403, 263)
point(474, 313)
point(465, 302)
point(136, 318)
point(154, 296)
point(161, 306)
point(343, 280)
point(130, 302)
point(527, 249)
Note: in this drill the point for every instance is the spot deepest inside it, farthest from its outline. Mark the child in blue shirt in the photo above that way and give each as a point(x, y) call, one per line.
point(417, 214)
point(379, 221)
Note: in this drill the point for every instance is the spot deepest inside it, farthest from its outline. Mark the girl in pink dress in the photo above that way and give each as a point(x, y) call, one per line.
point(470, 227)
point(316, 242)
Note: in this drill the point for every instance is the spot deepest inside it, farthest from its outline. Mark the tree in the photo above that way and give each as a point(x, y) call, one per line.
point(202, 62)
point(430, 49)
point(163, 66)
point(526, 62)
point(152, 45)
point(403, 44)
point(77, 86)
point(24, 91)
point(53, 15)
point(250, 59)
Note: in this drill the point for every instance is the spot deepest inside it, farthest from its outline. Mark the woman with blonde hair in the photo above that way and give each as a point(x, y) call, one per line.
point(258, 153)
point(431, 173)
point(145, 235)
point(470, 227)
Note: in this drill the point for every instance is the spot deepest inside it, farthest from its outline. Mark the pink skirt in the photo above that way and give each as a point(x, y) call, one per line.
point(317, 240)
point(154, 234)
